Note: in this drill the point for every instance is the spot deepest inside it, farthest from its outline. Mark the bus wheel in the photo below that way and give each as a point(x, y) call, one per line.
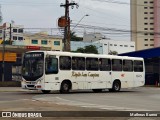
point(97, 90)
point(65, 87)
point(46, 91)
point(116, 86)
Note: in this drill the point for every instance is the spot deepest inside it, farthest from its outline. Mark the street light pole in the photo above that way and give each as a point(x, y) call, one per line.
point(79, 21)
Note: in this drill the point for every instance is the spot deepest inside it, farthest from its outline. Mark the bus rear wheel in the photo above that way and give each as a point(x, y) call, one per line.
point(46, 91)
point(65, 87)
point(116, 87)
point(97, 90)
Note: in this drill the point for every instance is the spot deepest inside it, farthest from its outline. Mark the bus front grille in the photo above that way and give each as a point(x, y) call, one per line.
point(31, 86)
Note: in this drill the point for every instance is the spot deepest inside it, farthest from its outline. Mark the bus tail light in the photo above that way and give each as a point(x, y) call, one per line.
point(38, 86)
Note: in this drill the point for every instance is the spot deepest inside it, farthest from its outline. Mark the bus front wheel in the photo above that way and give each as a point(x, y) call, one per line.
point(46, 91)
point(65, 87)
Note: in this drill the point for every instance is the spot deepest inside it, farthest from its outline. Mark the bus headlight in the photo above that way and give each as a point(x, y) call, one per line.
point(38, 82)
point(23, 82)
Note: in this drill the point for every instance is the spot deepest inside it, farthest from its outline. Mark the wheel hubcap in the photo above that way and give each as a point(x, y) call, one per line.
point(65, 87)
point(116, 86)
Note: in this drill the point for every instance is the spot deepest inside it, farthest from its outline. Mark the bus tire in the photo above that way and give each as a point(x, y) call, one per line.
point(65, 87)
point(116, 86)
point(97, 90)
point(46, 91)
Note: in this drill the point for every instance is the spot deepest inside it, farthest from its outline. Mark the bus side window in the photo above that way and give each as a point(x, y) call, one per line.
point(65, 63)
point(51, 65)
point(92, 64)
point(138, 66)
point(104, 64)
point(78, 63)
point(116, 65)
point(128, 65)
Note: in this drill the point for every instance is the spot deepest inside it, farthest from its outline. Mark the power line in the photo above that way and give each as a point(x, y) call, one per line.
point(123, 3)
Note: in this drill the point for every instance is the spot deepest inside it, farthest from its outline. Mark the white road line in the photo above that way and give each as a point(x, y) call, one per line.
point(61, 101)
point(14, 100)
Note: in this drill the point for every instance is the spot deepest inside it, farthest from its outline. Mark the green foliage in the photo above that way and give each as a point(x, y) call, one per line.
point(88, 49)
point(75, 38)
point(113, 53)
point(80, 50)
point(7, 42)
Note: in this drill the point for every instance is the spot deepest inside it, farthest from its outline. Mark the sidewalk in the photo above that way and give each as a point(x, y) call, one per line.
point(11, 89)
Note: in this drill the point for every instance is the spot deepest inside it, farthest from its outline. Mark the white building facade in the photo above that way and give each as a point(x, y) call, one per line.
point(115, 45)
point(12, 32)
point(104, 46)
point(92, 37)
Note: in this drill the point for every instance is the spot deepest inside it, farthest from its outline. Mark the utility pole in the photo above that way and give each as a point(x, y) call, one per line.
point(10, 34)
point(66, 39)
point(3, 55)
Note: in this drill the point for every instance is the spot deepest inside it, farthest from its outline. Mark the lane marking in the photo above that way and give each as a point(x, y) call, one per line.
point(62, 101)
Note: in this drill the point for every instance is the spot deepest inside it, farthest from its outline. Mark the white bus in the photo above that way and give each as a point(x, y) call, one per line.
point(65, 71)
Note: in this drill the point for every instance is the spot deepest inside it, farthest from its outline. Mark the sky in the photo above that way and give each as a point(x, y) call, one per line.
point(103, 15)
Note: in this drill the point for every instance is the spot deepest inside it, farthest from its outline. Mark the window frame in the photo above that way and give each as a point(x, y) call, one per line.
point(130, 69)
point(79, 60)
point(55, 43)
point(119, 68)
point(63, 65)
point(46, 65)
point(102, 65)
point(33, 41)
point(90, 65)
point(43, 42)
point(137, 65)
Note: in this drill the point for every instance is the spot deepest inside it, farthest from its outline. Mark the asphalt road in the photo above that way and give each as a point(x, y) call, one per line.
point(139, 99)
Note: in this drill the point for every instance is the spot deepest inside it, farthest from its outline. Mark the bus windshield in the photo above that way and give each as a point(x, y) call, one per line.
point(33, 66)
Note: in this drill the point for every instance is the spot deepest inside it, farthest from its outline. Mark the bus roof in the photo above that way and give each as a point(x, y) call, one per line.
point(60, 53)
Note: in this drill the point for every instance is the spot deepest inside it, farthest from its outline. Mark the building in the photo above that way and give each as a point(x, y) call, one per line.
point(104, 45)
point(92, 37)
point(12, 32)
point(145, 25)
point(120, 46)
point(9, 32)
point(20, 43)
point(152, 64)
point(41, 39)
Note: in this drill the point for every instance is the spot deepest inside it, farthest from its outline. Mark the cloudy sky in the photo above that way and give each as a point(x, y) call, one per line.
point(45, 13)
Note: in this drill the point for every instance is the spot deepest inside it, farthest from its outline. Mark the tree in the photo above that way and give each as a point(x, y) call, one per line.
point(113, 53)
point(74, 37)
point(91, 49)
point(88, 49)
point(80, 50)
point(7, 42)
